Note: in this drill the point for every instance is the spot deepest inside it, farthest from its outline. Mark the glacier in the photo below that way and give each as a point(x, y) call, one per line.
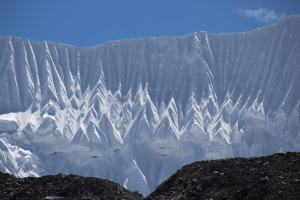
point(134, 111)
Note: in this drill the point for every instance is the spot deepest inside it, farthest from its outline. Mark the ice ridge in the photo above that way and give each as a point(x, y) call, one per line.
point(134, 111)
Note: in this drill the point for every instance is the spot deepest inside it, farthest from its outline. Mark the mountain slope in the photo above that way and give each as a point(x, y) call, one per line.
point(270, 177)
point(62, 186)
point(134, 111)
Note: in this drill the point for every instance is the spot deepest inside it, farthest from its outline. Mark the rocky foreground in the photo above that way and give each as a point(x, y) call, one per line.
point(62, 187)
point(269, 177)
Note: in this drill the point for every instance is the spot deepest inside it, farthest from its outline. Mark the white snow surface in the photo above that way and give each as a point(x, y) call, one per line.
point(134, 111)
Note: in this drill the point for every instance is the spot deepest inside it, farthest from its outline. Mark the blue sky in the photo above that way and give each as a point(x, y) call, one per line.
point(91, 22)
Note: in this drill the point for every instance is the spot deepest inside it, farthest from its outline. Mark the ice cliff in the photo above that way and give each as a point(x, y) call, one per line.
point(134, 111)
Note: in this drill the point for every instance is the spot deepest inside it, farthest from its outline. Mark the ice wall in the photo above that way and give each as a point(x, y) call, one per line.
point(134, 111)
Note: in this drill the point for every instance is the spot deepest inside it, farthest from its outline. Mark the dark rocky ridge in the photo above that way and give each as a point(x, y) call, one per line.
point(269, 177)
point(62, 187)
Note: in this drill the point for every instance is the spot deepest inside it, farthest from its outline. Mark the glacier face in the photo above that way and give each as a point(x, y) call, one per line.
point(134, 111)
